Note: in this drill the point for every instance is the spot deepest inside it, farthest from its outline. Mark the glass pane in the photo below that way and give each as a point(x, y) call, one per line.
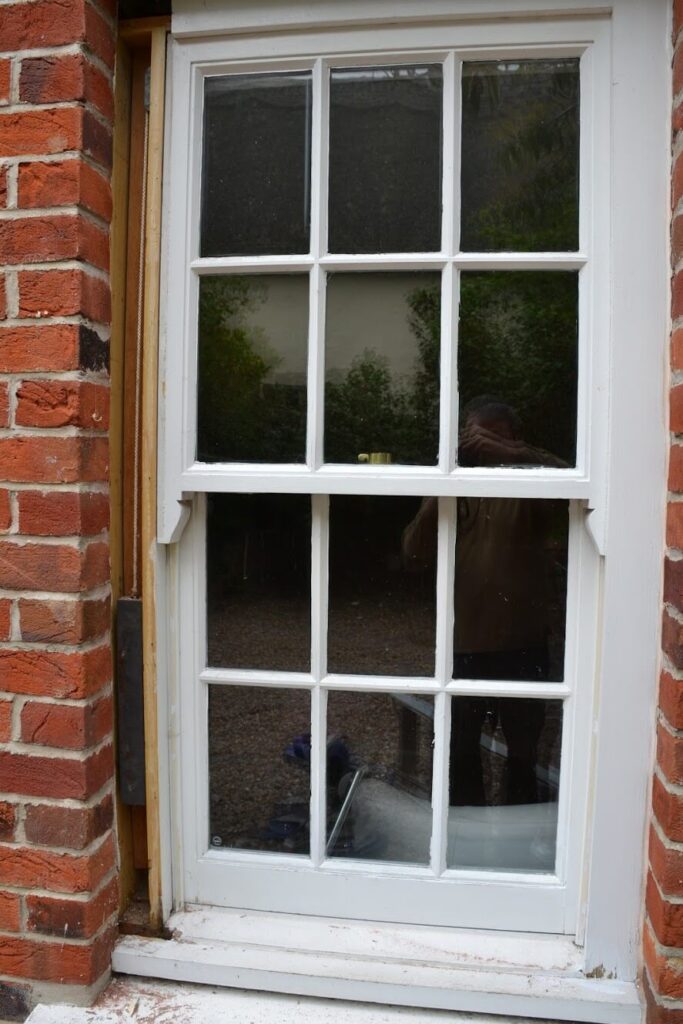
point(382, 368)
point(510, 589)
point(256, 165)
point(385, 159)
point(520, 155)
point(379, 776)
point(258, 569)
point(518, 368)
point(253, 343)
point(382, 616)
point(504, 779)
point(259, 768)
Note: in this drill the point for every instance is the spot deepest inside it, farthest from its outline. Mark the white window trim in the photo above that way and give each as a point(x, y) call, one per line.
point(631, 534)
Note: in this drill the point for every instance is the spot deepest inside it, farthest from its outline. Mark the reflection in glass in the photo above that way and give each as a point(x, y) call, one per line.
point(379, 776)
point(259, 768)
point(256, 165)
point(510, 589)
point(504, 779)
point(518, 368)
point(258, 568)
point(520, 146)
point(382, 368)
point(381, 605)
point(385, 159)
point(253, 343)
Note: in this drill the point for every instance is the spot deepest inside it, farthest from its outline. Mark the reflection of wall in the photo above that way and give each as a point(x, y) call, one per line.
point(371, 311)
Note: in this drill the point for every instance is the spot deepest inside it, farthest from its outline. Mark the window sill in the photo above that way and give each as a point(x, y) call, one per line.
point(438, 968)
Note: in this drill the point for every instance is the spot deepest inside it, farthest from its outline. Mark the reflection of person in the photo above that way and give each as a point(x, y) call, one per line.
point(503, 599)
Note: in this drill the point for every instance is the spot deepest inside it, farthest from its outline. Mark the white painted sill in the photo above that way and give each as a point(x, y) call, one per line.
point(527, 976)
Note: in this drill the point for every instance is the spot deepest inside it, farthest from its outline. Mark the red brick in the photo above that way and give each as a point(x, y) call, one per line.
point(4, 404)
point(5, 511)
point(54, 567)
point(666, 864)
point(52, 674)
point(95, 192)
point(676, 409)
point(672, 643)
point(55, 403)
point(66, 963)
point(69, 727)
point(671, 698)
point(66, 183)
point(71, 827)
point(41, 131)
point(668, 809)
point(665, 972)
point(677, 182)
point(5, 626)
point(676, 468)
point(54, 460)
point(670, 754)
point(3, 298)
point(656, 1013)
point(25, 26)
point(57, 777)
point(31, 868)
point(673, 582)
point(677, 344)
point(98, 141)
point(46, 347)
point(63, 293)
point(99, 37)
point(666, 918)
point(52, 79)
point(5, 720)
point(678, 18)
point(63, 622)
point(3, 187)
point(8, 816)
point(98, 90)
point(62, 513)
point(10, 912)
point(72, 919)
point(51, 238)
point(4, 79)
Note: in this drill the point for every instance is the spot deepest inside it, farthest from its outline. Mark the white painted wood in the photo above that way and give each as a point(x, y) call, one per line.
point(386, 981)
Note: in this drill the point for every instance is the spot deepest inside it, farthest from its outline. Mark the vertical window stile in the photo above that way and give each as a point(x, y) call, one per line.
point(319, 589)
point(440, 802)
point(316, 338)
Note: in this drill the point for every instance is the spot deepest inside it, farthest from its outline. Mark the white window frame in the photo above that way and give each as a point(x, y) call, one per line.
point(605, 920)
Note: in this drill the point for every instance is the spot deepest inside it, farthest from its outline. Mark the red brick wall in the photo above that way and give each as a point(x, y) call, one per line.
point(58, 880)
point(663, 931)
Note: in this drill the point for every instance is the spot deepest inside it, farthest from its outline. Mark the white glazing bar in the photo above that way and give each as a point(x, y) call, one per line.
point(451, 155)
point(448, 415)
point(444, 589)
point(253, 677)
point(319, 587)
point(508, 688)
point(440, 788)
point(381, 684)
point(251, 264)
point(316, 328)
point(385, 261)
point(520, 260)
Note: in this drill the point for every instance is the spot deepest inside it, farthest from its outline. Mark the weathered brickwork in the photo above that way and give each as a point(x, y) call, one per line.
point(58, 873)
point(663, 927)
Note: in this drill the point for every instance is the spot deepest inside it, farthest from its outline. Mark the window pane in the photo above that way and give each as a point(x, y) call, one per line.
point(258, 569)
point(382, 604)
point(256, 168)
point(382, 368)
point(253, 343)
point(385, 159)
point(259, 768)
point(518, 368)
point(520, 155)
point(510, 589)
point(504, 779)
point(379, 776)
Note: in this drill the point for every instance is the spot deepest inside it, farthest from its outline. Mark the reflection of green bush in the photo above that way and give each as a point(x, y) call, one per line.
point(242, 415)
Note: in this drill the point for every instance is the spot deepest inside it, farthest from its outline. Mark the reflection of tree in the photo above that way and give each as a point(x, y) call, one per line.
point(243, 414)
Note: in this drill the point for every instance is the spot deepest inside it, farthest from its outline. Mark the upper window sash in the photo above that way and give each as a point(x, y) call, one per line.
point(183, 475)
